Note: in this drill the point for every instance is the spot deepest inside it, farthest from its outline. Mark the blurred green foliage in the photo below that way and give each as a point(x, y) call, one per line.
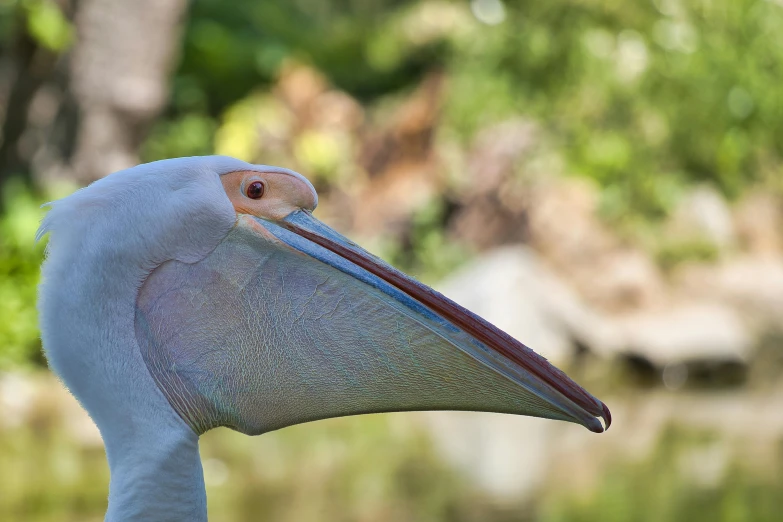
point(54, 478)
point(43, 20)
point(20, 258)
point(47, 24)
point(425, 251)
point(229, 52)
point(671, 254)
point(333, 471)
point(325, 471)
point(645, 97)
point(689, 476)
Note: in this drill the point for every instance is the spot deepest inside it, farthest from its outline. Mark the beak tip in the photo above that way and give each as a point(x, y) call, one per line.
point(607, 416)
point(595, 425)
point(596, 428)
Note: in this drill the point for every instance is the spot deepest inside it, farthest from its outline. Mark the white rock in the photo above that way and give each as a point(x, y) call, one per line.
point(752, 285)
point(704, 215)
point(759, 223)
point(627, 279)
point(513, 290)
point(686, 333)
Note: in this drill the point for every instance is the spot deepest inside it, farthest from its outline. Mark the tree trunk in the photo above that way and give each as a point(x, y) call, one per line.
point(84, 115)
point(120, 68)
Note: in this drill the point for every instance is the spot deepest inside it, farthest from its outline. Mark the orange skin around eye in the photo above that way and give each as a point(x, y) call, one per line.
point(283, 194)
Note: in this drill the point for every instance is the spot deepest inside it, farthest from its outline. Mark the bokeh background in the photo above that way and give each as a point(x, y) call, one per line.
point(601, 178)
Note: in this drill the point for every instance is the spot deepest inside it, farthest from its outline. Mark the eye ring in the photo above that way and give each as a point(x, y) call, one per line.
point(255, 189)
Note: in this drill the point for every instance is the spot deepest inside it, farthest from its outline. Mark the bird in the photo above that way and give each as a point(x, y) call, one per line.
point(187, 294)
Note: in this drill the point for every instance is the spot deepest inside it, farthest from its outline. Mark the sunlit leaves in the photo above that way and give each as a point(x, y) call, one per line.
point(20, 258)
point(47, 24)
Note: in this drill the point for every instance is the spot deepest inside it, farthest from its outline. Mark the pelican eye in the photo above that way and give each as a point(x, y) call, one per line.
point(255, 190)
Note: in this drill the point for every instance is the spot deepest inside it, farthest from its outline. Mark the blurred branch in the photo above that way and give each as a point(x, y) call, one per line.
point(32, 64)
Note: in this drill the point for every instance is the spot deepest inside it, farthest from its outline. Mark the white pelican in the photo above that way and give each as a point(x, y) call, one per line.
point(191, 293)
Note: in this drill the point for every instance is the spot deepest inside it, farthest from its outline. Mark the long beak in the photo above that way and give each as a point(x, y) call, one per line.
point(492, 346)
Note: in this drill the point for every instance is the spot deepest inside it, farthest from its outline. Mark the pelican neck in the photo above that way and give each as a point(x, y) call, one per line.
point(156, 476)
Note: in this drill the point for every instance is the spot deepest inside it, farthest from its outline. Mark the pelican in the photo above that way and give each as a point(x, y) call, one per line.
point(186, 294)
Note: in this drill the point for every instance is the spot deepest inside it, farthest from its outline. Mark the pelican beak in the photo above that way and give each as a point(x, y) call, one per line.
point(286, 321)
point(491, 346)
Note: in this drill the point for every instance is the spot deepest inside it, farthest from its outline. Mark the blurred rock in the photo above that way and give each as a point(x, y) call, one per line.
point(400, 169)
point(752, 285)
point(314, 103)
point(407, 139)
point(515, 291)
point(687, 333)
point(759, 220)
point(337, 110)
point(703, 215)
point(563, 225)
point(680, 339)
point(299, 86)
point(625, 279)
point(492, 203)
point(495, 152)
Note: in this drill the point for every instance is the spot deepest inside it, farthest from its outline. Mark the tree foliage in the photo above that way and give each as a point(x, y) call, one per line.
point(644, 97)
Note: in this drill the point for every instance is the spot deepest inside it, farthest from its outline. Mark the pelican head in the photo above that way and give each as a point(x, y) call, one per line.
point(192, 293)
